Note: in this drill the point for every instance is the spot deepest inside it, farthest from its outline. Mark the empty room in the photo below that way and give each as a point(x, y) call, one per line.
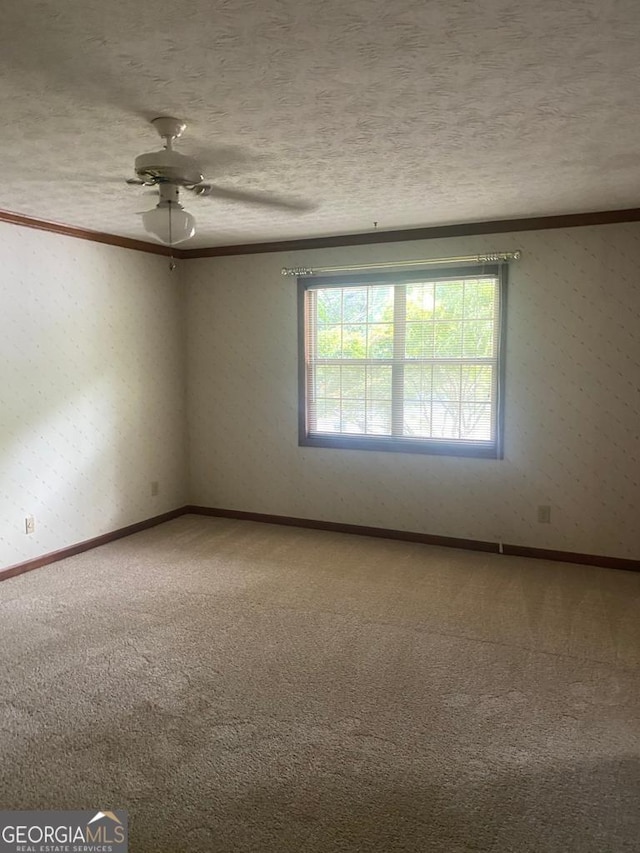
point(320, 427)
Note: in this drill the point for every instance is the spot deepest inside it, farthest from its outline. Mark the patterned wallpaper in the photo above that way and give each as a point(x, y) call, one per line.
point(572, 401)
point(93, 386)
point(91, 390)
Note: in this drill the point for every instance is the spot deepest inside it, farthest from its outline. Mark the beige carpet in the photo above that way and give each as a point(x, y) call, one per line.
point(245, 687)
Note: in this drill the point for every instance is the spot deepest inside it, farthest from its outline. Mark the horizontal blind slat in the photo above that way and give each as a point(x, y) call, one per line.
point(417, 359)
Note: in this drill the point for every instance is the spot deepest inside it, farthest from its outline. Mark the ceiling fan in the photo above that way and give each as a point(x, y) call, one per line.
point(170, 171)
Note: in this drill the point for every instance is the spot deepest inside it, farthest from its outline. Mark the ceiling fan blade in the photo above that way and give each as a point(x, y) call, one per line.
point(213, 158)
point(88, 180)
point(264, 199)
point(94, 82)
point(151, 190)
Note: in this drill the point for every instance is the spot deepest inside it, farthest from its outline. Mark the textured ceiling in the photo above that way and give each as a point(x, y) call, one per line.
point(408, 113)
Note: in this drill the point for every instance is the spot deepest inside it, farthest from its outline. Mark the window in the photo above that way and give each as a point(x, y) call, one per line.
point(410, 361)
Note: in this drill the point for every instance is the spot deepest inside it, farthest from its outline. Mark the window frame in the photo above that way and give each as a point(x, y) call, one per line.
point(434, 446)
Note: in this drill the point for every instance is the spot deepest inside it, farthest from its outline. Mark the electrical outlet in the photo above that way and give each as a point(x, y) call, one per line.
point(544, 515)
point(29, 524)
point(155, 488)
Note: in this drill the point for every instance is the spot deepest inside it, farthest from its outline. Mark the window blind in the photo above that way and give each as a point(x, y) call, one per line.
point(411, 359)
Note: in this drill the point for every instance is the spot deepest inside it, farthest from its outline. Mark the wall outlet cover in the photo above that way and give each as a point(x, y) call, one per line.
point(544, 515)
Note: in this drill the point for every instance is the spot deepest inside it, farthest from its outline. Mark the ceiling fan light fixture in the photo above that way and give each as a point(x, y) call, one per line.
point(170, 171)
point(169, 223)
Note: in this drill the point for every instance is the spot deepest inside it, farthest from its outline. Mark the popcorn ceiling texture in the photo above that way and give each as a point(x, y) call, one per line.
point(572, 401)
point(91, 390)
point(407, 113)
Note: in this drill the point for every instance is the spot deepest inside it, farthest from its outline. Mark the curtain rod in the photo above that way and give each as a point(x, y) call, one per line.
point(490, 257)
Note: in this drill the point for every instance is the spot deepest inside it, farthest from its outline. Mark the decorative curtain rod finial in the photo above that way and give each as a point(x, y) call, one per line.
point(296, 271)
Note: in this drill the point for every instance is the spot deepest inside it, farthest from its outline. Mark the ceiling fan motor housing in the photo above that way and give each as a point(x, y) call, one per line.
point(168, 166)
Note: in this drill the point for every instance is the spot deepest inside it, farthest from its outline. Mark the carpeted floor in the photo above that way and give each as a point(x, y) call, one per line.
point(244, 687)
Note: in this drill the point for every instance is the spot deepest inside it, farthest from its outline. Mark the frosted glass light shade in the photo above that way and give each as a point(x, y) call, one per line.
point(169, 223)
